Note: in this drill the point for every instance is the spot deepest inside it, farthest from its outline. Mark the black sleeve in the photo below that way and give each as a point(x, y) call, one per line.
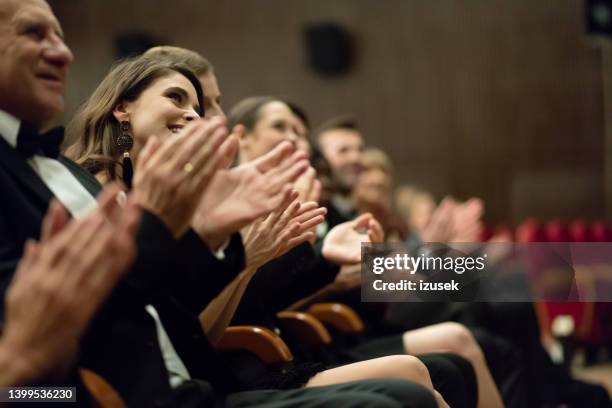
point(186, 266)
point(9, 258)
point(307, 279)
point(285, 280)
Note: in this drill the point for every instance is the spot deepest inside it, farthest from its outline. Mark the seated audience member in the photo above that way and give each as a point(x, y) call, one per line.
point(127, 342)
point(59, 284)
point(260, 123)
point(415, 207)
point(372, 192)
point(339, 136)
point(156, 99)
point(418, 219)
point(509, 323)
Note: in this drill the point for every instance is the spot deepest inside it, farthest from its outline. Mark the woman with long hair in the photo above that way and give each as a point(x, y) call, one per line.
point(146, 96)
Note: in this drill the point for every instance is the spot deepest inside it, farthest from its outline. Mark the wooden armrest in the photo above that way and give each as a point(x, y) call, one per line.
point(262, 342)
point(304, 327)
point(103, 394)
point(338, 316)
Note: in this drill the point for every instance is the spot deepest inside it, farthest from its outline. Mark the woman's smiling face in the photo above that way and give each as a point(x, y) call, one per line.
point(163, 109)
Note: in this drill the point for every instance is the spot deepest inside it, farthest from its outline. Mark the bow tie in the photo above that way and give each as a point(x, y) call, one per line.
point(30, 142)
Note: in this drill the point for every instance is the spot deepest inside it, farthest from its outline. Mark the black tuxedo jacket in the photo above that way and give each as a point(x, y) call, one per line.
point(178, 277)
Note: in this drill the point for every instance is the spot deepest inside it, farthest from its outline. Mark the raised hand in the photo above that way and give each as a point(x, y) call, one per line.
point(309, 189)
point(59, 284)
point(440, 226)
point(282, 230)
point(306, 185)
point(467, 224)
point(342, 244)
point(237, 197)
point(171, 176)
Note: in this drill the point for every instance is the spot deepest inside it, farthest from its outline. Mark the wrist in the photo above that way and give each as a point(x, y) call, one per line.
point(214, 240)
point(176, 227)
point(15, 367)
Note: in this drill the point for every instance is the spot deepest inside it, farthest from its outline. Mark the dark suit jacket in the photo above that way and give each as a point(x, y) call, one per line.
point(179, 277)
point(285, 280)
point(282, 282)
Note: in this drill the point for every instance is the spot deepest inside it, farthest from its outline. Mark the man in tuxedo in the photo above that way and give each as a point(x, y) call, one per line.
point(59, 284)
point(147, 343)
point(129, 328)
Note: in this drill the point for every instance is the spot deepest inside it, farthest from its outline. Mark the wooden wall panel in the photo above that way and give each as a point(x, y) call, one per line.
point(469, 97)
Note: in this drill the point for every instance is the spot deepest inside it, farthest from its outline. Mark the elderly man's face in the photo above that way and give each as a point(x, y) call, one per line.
point(34, 61)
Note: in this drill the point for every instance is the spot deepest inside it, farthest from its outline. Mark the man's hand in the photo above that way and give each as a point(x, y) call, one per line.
point(171, 176)
point(342, 244)
point(59, 284)
point(237, 197)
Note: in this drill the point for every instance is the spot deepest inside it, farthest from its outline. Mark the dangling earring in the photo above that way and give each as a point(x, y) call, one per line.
point(125, 142)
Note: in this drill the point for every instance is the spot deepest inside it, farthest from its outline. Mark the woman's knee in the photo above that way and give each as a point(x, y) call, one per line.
point(411, 368)
point(462, 341)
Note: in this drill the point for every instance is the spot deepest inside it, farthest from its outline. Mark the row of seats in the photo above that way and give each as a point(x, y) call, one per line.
point(556, 230)
point(592, 322)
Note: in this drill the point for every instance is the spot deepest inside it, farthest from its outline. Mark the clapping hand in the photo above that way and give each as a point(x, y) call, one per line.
point(342, 244)
point(440, 226)
point(59, 284)
point(171, 176)
point(467, 224)
point(282, 230)
point(239, 196)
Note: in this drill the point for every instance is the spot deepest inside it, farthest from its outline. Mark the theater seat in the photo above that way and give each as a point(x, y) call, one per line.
point(555, 231)
point(337, 316)
point(260, 341)
point(305, 328)
point(103, 394)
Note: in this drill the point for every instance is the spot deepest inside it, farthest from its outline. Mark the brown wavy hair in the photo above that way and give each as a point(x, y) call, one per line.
point(94, 129)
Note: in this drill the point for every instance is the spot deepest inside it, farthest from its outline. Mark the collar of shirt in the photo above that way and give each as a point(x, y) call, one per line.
point(63, 184)
point(9, 128)
point(344, 205)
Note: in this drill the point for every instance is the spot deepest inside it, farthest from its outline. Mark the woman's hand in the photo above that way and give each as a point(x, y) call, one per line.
point(239, 196)
point(342, 244)
point(284, 229)
point(171, 176)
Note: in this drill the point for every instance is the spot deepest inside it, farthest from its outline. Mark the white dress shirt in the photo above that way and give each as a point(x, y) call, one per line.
point(79, 202)
point(54, 174)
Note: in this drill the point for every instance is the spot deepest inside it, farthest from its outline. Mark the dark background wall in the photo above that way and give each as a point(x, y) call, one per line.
point(503, 99)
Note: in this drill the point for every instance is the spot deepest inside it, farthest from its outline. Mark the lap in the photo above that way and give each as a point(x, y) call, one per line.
point(367, 393)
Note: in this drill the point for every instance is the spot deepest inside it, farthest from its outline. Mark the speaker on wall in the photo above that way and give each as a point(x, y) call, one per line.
point(599, 17)
point(329, 48)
